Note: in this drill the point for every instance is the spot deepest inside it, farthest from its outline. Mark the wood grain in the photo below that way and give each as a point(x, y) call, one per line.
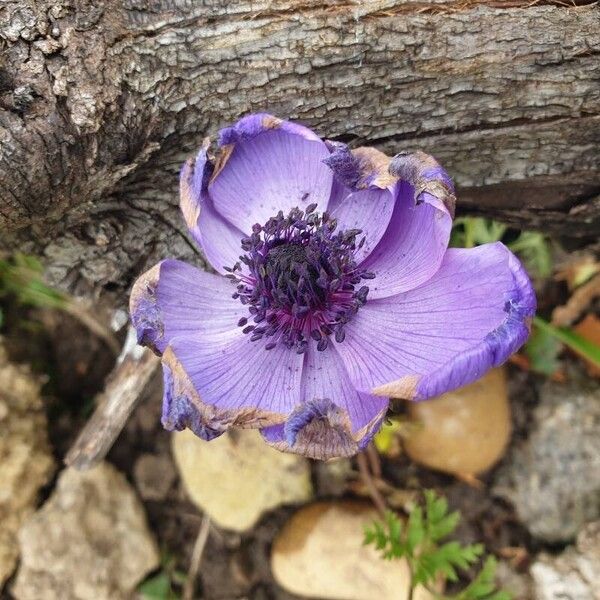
point(100, 102)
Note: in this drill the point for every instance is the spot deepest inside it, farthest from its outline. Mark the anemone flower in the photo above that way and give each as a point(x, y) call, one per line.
point(334, 290)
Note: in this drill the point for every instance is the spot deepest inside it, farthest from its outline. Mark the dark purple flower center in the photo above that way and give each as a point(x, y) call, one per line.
point(300, 280)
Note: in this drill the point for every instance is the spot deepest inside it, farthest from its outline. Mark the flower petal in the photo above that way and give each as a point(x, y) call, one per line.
point(361, 196)
point(179, 411)
point(360, 169)
point(218, 239)
point(214, 376)
point(316, 429)
point(268, 165)
point(367, 210)
point(333, 419)
point(412, 248)
point(325, 376)
point(223, 379)
point(470, 316)
point(175, 299)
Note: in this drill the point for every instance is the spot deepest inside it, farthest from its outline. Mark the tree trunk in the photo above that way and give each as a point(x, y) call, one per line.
point(100, 102)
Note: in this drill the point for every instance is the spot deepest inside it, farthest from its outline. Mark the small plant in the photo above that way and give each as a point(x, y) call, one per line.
point(531, 247)
point(468, 232)
point(22, 282)
point(581, 346)
point(420, 542)
point(21, 278)
point(542, 349)
point(163, 585)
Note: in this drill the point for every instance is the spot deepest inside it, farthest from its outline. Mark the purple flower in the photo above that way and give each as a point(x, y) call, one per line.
point(335, 290)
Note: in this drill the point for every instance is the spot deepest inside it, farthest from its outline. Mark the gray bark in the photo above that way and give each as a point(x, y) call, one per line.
point(100, 102)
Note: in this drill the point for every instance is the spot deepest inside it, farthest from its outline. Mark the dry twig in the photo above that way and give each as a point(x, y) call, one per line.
point(196, 560)
point(367, 477)
point(125, 386)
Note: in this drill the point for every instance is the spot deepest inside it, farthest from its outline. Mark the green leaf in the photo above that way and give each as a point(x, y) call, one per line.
point(369, 536)
point(438, 523)
point(534, 249)
point(487, 231)
point(444, 526)
point(436, 506)
point(157, 588)
point(22, 277)
point(445, 560)
point(578, 344)
point(483, 587)
point(387, 537)
point(415, 531)
point(543, 349)
point(429, 562)
point(468, 232)
point(397, 547)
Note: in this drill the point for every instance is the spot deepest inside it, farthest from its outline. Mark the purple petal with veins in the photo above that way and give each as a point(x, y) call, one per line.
point(336, 291)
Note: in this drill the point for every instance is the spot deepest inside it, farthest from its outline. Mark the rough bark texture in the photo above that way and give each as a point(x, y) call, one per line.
point(101, 101)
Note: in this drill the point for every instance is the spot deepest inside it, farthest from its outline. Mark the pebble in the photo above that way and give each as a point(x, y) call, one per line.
point(553, 477)
point(25, 455)
point(319, 553)
point(463, 432)
point(89, 541)
point(236, 478)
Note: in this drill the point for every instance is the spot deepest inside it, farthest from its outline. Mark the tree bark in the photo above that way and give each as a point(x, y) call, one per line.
point(101, 101)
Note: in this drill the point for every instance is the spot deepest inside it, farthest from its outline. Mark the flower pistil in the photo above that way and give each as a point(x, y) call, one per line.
point(299, 279)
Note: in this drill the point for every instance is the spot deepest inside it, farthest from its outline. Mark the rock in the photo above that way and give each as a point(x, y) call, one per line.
point(465, 431)
point(574, 574)
point(518, 585)
point(25, 455)
point(154, 475)
point(553, 477)
point(89, 541)
point(332, 476)
point(237, 477)
point(319, 553)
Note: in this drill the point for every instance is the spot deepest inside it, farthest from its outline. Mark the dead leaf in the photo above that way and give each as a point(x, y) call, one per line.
point(577, 269)
point(582, 297)
point(589, 329)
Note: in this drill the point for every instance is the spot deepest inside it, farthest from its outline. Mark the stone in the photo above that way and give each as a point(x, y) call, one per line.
point(518, 585)
point(553, 477)
point(319, 553)
point(89, 541)
point(236, 478)
point(25, 455)
point(154, 475)
point(575, 573)
point(333, 476)
point(463, 432)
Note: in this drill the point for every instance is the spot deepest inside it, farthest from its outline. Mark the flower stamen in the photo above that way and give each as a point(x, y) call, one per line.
point(298, 278)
